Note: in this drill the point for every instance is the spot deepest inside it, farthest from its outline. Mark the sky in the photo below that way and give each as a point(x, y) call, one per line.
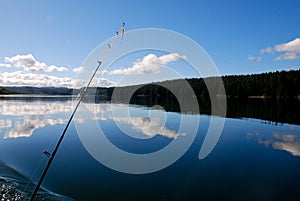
point(45, 43)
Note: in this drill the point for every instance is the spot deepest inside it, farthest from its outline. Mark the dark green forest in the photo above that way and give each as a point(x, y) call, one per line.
point(268, 85)
point(275, 84)
point(36, 90)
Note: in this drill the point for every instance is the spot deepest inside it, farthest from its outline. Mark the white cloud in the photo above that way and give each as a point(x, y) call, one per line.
point(289, 50)
point(288, 56)
point(20, 78)
point(253, 58)
point(102, 82)
point(79, 69)
point(292, 46)
point(102, 72)
point(151, 63)
point(266, 50)
point(29, 63)
point(148, 64)
point(5, 65)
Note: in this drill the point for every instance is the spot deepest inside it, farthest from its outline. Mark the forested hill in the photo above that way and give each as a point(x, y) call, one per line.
point(36, 90)
point(284, 84)
point(274, 85)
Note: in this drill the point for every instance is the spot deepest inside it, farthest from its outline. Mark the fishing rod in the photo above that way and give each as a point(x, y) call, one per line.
point(51, 156)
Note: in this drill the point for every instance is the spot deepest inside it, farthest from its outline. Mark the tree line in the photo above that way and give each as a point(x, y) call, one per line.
point(284, 84)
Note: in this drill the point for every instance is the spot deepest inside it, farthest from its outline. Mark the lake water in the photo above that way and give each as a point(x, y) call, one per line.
point(256, 158)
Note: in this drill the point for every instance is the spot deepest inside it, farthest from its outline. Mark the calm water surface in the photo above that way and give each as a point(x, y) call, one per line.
point(253, 160)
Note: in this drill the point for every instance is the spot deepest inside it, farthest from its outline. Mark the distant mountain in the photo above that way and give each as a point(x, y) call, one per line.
point(5, 90)
point(36, 90)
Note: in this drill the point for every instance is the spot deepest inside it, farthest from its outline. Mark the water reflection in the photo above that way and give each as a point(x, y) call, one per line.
point(280, 141)
point(149, 127)
point(21, 118)
point(256, 169)
point(26, 126)
point(270, 110)
point(145, 125)
point(35, 107)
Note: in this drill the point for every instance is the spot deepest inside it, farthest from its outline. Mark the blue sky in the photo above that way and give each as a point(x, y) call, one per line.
point(236, 34)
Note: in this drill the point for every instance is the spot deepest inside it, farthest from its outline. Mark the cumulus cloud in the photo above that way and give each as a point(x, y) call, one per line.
point(102, 72)
point(151, 63)
point(266, 50)
point(102, 82)
point(20, 78)
point(29, 63)
point(287, 51)
point(292, 46)
point(5, 65)
point(254, 59)
point(148, 64)
point(288, 56)
point(79, 69)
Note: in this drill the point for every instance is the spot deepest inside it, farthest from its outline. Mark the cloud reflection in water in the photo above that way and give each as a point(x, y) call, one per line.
point(146, 126)
point(29, 124)
point(22, 118)
point(149, 127)
point(280, 141)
